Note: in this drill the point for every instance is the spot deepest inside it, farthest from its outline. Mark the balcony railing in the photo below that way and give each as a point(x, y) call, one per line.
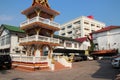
point(39, 38)
point(29, 59)
point(40, 19)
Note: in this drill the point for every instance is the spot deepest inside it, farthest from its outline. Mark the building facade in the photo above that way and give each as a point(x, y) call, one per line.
point(68, 43)
point(107, 38)
point(9, 39)
point(80, 27)
point(85, 43)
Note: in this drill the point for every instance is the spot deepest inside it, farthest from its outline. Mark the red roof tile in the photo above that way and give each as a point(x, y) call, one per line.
point(106, 29)
point(81, 39)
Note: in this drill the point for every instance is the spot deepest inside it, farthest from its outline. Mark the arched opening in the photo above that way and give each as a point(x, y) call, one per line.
point(46, 50)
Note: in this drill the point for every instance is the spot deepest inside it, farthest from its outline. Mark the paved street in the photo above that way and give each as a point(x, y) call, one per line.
point(85, 70)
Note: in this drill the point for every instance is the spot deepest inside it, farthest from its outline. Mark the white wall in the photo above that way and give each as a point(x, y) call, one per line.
point(14, 42)
point(85, 45)
point(80, 46)
point(108, 40)
point(103, 43)
point(115, 39)
point(72, 47)
point(80, 27)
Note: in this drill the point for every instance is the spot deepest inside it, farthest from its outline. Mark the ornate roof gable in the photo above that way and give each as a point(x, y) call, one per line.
point(41, 2)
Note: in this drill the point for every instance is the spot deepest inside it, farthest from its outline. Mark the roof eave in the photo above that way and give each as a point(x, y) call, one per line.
point(53, 12)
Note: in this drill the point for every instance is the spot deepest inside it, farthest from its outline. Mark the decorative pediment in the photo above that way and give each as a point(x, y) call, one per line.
point(4, 32)
point(41, 2)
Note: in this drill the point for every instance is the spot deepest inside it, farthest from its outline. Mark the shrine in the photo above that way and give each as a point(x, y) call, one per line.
point(39, 29)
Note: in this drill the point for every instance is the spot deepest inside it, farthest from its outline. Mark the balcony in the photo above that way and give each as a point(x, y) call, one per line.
point(76, 26)
point(39, 38)
point(40, 19)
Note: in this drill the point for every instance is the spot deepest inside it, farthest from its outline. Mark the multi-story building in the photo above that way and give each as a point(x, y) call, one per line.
point(9, 39)
point(80, 27)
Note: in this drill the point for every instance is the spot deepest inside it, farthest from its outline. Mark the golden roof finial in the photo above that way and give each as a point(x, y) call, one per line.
point(42, 2)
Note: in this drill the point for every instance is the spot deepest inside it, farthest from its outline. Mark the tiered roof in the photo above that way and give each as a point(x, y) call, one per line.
point(42, 5)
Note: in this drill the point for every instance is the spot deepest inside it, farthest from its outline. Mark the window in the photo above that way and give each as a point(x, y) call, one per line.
point(93, 30)
point(78, 31)
point(61, 42)
point(63, 34)
point(77, 22)
point(86, 35)
point(68, 44)
point(63, 29)
point(5, 40)
point(8, 39)
point(86, 22)
point(70, 32)
point(86, 29)
point(79, 35)
point(79, 44)
point(69, 26)
point(75, 45)
point(92, 24)
point(98, 26)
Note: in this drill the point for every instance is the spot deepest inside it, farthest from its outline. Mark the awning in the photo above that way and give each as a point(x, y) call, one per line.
point(105, 52)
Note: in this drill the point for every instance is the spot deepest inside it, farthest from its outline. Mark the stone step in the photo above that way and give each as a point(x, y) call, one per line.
point(30, 66)
point(59, 66)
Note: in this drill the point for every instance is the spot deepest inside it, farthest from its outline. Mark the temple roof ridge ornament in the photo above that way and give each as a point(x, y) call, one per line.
point(41, 2)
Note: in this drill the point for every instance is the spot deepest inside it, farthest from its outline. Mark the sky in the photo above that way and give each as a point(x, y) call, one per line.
point(106, 11)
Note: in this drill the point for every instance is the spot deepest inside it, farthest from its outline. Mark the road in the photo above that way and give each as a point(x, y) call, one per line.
point(85, 70)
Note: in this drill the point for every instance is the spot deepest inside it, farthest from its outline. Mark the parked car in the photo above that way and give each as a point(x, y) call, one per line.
point(79, 57)
point(116, 62)
point(90, 58)
point(5, 61)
